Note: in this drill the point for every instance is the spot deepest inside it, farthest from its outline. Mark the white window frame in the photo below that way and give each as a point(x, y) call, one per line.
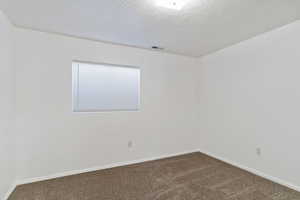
point(75, 88)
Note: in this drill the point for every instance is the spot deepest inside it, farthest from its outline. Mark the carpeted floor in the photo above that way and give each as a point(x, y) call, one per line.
point(188, 177)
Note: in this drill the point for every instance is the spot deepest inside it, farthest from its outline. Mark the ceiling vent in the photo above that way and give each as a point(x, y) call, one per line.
point(157, 48)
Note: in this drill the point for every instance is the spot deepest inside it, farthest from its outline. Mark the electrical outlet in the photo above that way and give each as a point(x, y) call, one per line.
point(258, 151)
point(129, 144)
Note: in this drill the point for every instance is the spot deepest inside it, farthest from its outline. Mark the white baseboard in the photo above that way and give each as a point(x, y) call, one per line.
point(10, 191)
point(74, 172)
point(80, 171)
point(254, 171)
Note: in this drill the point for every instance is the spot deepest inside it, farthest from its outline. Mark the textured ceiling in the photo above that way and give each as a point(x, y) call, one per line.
point(201, 27)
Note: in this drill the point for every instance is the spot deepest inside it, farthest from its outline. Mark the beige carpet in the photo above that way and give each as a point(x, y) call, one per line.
point(187, 177)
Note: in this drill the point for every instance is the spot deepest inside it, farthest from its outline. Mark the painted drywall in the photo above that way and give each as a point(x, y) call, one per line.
point(53, 140)
point(7, 107)
point(249, 98)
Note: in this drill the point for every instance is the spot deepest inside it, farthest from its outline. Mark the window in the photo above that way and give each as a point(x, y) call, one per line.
point(105, 87)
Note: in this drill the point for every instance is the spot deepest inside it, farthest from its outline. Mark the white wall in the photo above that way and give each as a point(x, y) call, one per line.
point(249, 97)
point(7, 107)
point(52, 139)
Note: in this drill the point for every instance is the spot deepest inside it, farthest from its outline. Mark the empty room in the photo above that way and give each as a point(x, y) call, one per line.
point(150, 100)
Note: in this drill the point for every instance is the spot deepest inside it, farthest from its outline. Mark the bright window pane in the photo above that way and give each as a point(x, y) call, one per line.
point(104, 87)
